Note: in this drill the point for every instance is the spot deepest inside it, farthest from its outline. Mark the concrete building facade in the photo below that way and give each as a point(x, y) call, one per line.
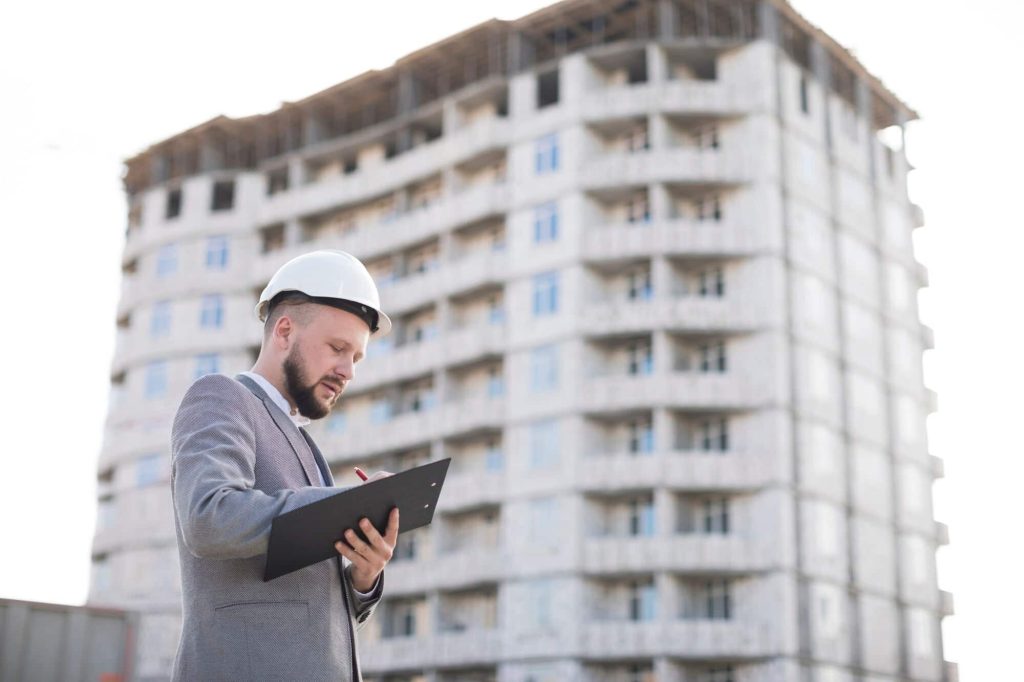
point(654, 292)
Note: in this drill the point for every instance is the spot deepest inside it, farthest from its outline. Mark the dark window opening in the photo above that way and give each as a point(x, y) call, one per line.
point(277, 181)
point(637, 71)
point(173, 209)
point(804, 104)
point(272, 238)
point(547, 89)
point(223, 195)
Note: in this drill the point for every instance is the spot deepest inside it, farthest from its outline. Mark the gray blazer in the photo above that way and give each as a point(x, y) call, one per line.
point(237, 461)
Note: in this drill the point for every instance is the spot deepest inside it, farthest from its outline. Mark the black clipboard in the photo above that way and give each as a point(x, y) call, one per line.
point(307, 535)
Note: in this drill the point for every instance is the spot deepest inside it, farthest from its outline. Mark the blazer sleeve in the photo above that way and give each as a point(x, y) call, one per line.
point(213, 461)
point(363, 606)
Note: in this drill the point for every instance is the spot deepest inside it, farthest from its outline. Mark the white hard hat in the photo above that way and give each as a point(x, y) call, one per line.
point(329, 274)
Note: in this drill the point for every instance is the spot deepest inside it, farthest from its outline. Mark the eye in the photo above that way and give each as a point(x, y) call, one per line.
point(336, 350)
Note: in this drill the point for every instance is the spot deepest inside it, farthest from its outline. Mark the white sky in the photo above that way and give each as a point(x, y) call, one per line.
point(85, 85)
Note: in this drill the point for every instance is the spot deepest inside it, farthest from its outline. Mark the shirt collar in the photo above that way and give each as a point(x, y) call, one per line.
point(279, 400)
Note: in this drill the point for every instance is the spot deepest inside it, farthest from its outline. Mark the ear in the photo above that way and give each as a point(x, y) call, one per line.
point(283, 333)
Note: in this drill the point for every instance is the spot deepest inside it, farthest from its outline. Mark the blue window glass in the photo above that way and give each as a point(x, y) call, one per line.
point(211, 313)
point(217, 253)
point(545, 223)
point(545, 294)
point(147, 469)
point(156, 379)
point(337, 422)
point(380, 412)
point(544, 444)
point(546, 154)
point(544, 369)
point(494, 459)
point(643, 603)
point(495, 314)
point(495, 385)
point(160, 322)
point(207, 363)
point(167, 260)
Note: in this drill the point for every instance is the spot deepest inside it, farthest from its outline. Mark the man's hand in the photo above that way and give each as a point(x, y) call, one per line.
point(368, 560)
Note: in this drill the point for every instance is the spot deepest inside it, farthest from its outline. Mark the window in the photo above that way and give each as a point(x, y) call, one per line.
point(216, 253)
point(709, 208)
point(380, 411)
point(539, 595)
point(277, 181)
point(167, 260)
point(711, 282)
point(717, 600)
point(546, 154)
point(641, 517)
point(641, 359)
point(545, 294)
point(544, 369)
point(101, 573)
point(547, 89)
point(712, 357)
point(804, 103)
point(640, 285)
point(494, 458)
point(337, 422)
point(543, 531)
point(173, 206)
point(637, 139)
point(160, 322)
point(641, 437)
point(207, 363)
point(707, 137)
point(718, 673)
point(643, 599)
point(495, 383)
point(223, 195)
point(401, 621)
point(714, 434)
point(156, 379)
point(638, 209)
point(545, 223)
point(544, 444)
point(147, 469)
point(715, 515)
point(211, 312)
point(495, 313)
point(105, 513)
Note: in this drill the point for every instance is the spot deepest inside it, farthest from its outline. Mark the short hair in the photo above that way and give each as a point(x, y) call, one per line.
point(303, 310)
point(297, 305)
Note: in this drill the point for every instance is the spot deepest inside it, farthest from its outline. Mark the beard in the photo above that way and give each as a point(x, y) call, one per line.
point(302, 392)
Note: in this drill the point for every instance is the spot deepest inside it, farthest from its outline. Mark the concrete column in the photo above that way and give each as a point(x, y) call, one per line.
point(451, 117)
point(296, 171)
point(823, 74)
point(660, 203)
point(575, 78)
point(666, 31)
point(657, 63)
point(658, 133)
point(664, 511)
point(664, 428)
point(661, 281)
point(292, 232)
point(522, 95)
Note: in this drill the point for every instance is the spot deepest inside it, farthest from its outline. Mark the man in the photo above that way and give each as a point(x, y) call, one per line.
point(240, 457)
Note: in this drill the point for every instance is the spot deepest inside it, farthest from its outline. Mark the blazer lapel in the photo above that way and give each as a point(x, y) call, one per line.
point(287, 427)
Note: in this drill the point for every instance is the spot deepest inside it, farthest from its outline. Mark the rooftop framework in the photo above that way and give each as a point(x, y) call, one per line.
point(498, 49)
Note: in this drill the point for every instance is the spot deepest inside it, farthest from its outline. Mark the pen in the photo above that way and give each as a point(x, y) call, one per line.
point(360, 473)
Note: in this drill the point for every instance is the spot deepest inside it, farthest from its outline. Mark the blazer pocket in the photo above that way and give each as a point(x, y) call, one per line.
point(275, 636)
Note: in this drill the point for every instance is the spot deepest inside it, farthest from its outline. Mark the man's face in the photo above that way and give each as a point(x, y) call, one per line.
point(322, 359)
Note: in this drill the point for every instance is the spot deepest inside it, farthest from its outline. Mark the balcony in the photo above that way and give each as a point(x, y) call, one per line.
point(682, 470)
point(683, 390)
point(941, 533)
point(678, 313)
point(413, 359)
point(468, 490)
point(391, 175)
point(681, 164)
point(473, 414)
point(946, 603)
point(691, 552)
point(618, 242)
point(938, 466)
point(366, 439)
point(458, 276)
point(473, 342)
point(447, 571)
point(697, 97)
point(447, 650)
point(697, 639)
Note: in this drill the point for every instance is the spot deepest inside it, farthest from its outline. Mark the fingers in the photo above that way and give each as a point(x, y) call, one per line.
point(391, 534)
